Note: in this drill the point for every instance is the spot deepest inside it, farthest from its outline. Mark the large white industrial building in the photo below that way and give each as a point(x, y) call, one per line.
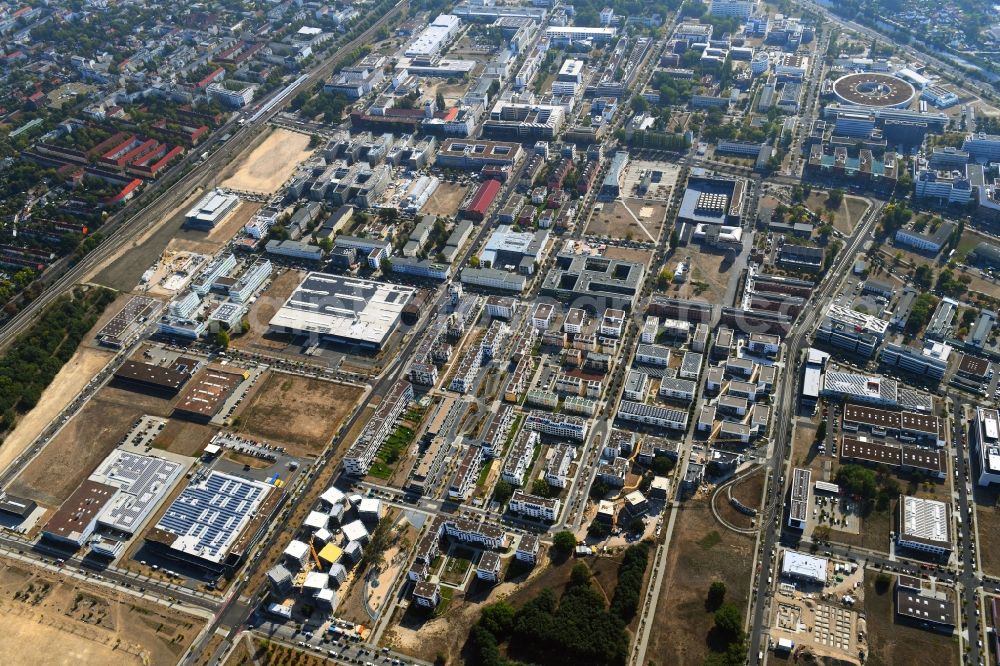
point(434, 36)
point(343, 309)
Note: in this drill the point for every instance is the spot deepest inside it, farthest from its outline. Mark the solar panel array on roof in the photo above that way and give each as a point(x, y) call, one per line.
point(210, 513)
point(142, 480)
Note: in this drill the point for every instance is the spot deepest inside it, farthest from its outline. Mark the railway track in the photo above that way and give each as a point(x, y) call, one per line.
point(145, 213)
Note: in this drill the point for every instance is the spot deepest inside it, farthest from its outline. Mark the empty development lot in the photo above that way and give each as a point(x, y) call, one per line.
point(890, 642)
point(632, 219)
point(708, 276)
point(988, 528)
point(702, 552)
point(259, 316)
point(48, 621)
point(83, 442)
point(269, 164)
point(85, 363)
point(845, 217)
point(184, 438)
point(300, 413)
point(445, 200)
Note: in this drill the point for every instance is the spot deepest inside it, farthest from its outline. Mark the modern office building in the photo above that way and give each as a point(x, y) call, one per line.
point(215, 539)
point(924, 525)
point(211, 209)
point(982, 147)
point(985, 436)
point(931, 361)
point(741, 9)
point(855, 331)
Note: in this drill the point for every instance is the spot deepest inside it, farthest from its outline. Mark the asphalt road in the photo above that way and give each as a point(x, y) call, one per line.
point(969, 582)
point(795, 342)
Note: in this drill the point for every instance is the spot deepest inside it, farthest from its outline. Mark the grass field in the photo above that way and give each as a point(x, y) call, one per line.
point(457, 566)
point(708, 276)
point(702, 552)
point(890, 642)
point(846, 217)
point(391, 451)
point(633, 219)
point(301, 413)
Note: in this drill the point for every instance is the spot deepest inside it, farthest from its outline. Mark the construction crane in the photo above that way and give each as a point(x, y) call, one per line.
point(315, 555)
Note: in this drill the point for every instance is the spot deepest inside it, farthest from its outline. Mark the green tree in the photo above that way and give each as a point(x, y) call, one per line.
point(821, 432)
point(598, 490)
point(222, 338)
point(598, 530)
point(729, 621)
point(858, 480)
point(439, 101)
point(580, 575)
point(716, 595)
point(385, 265)
point(636, 525)
point(922, 276)
point(541, 488)
point(564, 541)
point(498, 619)
point(662, 465)
point(834, 198)
point(502, 491)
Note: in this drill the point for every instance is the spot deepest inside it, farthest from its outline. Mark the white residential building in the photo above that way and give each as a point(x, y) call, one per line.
point(533, 506)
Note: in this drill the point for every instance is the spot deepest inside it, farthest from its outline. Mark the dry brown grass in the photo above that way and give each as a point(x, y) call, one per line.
point(701, 553)
point(890, 642)
point(445, 200)
point(48, 620)
point(268, 164)
point(301, 413)
point(83, 442)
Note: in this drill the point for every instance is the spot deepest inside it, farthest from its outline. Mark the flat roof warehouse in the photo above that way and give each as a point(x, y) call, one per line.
point(344, 309)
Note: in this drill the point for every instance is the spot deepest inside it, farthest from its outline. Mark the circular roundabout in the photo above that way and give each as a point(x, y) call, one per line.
point(870, 89)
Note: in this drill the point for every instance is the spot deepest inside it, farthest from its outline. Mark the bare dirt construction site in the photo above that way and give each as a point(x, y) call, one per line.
point(708, 274)
point(702, 552)
point(300, 413)
point(55, 621)
point(269, 164)
point(891, 642)
point(82, 443)
point(632, 219)
point(445, 200)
